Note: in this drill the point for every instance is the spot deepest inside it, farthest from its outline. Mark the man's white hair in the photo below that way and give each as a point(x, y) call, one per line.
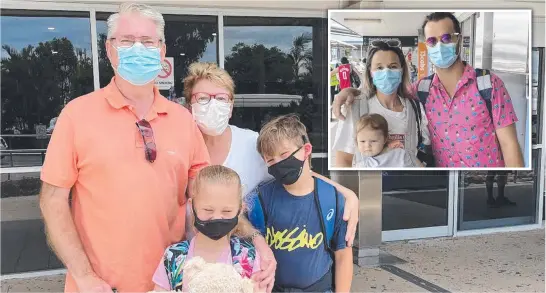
point(142, 9)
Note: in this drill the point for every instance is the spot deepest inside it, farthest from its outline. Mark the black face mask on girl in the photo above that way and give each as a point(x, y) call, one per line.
point(215, 229)
point(287, 171)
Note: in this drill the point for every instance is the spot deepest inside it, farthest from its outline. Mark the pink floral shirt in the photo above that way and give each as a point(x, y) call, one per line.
point(461, 129)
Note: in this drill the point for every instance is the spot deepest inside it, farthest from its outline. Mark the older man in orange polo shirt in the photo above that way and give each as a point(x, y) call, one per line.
point(126, 155)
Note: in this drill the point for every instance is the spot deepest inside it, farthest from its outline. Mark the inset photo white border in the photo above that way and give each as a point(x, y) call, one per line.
point(353, 23)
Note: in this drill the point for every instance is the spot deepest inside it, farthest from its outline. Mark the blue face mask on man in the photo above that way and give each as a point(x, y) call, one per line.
point(139, 65)
point(387, 80)
point(443, 55)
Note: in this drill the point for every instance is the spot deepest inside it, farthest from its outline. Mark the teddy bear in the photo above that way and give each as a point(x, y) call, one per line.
point(203, 277)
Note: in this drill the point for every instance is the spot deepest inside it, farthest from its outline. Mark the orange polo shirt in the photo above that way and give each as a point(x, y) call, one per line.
point(126, 209)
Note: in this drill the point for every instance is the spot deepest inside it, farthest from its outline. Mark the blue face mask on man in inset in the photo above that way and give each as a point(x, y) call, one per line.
point(443, 55)
point(139, 65)
point(387, 80)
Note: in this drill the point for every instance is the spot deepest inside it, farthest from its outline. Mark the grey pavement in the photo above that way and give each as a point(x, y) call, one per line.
point(501, 262)
point(24, 246)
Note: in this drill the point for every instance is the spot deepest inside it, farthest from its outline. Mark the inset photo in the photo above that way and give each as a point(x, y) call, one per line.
point(430, 89)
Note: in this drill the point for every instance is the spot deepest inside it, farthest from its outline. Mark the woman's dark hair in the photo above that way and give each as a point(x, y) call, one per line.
point(369, 88)
point(437, 16)
point(344, 60)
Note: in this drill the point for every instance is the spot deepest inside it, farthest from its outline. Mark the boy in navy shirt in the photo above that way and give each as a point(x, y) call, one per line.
point(300, 216)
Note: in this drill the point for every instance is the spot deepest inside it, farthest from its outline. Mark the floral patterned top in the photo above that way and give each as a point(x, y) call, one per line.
point(461, 129)
point(169, 274)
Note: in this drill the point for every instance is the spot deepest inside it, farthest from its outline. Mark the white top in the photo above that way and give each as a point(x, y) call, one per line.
point(243, 157)
point(402, 125)
point(391, 158)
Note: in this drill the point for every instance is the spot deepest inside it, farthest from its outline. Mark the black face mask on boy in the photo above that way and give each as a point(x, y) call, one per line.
point(289, 170)
point(215, 229)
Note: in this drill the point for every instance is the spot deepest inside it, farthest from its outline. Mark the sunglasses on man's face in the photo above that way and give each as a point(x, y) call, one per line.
point(386, 43)
point(445, 39)
point(150, 150)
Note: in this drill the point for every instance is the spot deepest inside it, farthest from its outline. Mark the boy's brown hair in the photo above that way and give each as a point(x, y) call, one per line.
point(286, 127)
point(375, 122)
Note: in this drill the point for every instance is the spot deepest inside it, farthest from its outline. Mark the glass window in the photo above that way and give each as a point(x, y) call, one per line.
point(46, 62)
point(189, 39)
point(489, 199)
point(415, 199)
point(279, 67)
point(24, 245)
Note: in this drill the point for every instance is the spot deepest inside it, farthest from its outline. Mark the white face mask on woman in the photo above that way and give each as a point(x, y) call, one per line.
point(212, 118)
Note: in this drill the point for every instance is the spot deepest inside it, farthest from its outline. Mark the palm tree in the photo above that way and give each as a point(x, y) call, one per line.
point(301, 53)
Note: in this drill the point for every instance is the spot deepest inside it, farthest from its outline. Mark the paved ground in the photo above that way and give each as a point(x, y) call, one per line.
point(24, 246)
point(505, 262)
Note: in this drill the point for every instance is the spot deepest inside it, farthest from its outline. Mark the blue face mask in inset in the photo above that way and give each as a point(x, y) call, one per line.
point(442, 55)
point(387, 80)
point(139, 65)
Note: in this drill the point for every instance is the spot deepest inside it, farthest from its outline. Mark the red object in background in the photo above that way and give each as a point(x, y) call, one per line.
point(344, 72)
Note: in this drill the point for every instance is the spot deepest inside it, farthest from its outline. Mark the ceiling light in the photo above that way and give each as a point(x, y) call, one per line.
point(54, 52)
point(51, 28)
point(182, 54)
point(214, 34)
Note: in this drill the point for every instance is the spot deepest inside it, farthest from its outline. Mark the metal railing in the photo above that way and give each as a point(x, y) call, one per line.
point(9, 154)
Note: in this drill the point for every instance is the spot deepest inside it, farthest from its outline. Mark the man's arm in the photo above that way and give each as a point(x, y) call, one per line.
point(344, 269)
point(268, 264)
point(344, 159)
point(335, 71)
point(504, 121)
point(345, 96)
point(64, 240)
point(511, 151)
point(351, 210)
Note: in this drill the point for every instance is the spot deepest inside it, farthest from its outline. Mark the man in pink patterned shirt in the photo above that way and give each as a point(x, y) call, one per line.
point(464, 130)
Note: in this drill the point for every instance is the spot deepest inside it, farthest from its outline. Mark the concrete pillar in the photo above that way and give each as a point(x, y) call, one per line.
point(368, 187)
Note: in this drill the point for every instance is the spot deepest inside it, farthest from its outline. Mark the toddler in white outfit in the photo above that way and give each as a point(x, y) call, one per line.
point(372, 132)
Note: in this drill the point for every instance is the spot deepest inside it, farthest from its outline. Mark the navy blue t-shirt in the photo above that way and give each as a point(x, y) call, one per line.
point(293, 231)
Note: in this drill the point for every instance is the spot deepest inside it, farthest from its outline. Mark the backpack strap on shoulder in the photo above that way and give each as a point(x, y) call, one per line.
point(327, 206)
point(418, 118)
point(174, 259)
point(243, 255)
point(423, 88)
point(485, 87)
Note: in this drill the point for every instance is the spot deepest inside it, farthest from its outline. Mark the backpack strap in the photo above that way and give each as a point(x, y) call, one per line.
point(485, 87)
point(418, 118)
point(423, 88)
point(327, 206)
point(243, 255)
point(173, 259)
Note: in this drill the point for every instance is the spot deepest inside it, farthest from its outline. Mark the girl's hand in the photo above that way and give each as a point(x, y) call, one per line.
point(268, 265)
point(395, 144)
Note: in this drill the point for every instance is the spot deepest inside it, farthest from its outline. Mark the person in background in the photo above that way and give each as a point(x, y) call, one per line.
point(334, 83)
point(502, 178)
point(467, 128)
point(344, 73)
point(124, 155)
